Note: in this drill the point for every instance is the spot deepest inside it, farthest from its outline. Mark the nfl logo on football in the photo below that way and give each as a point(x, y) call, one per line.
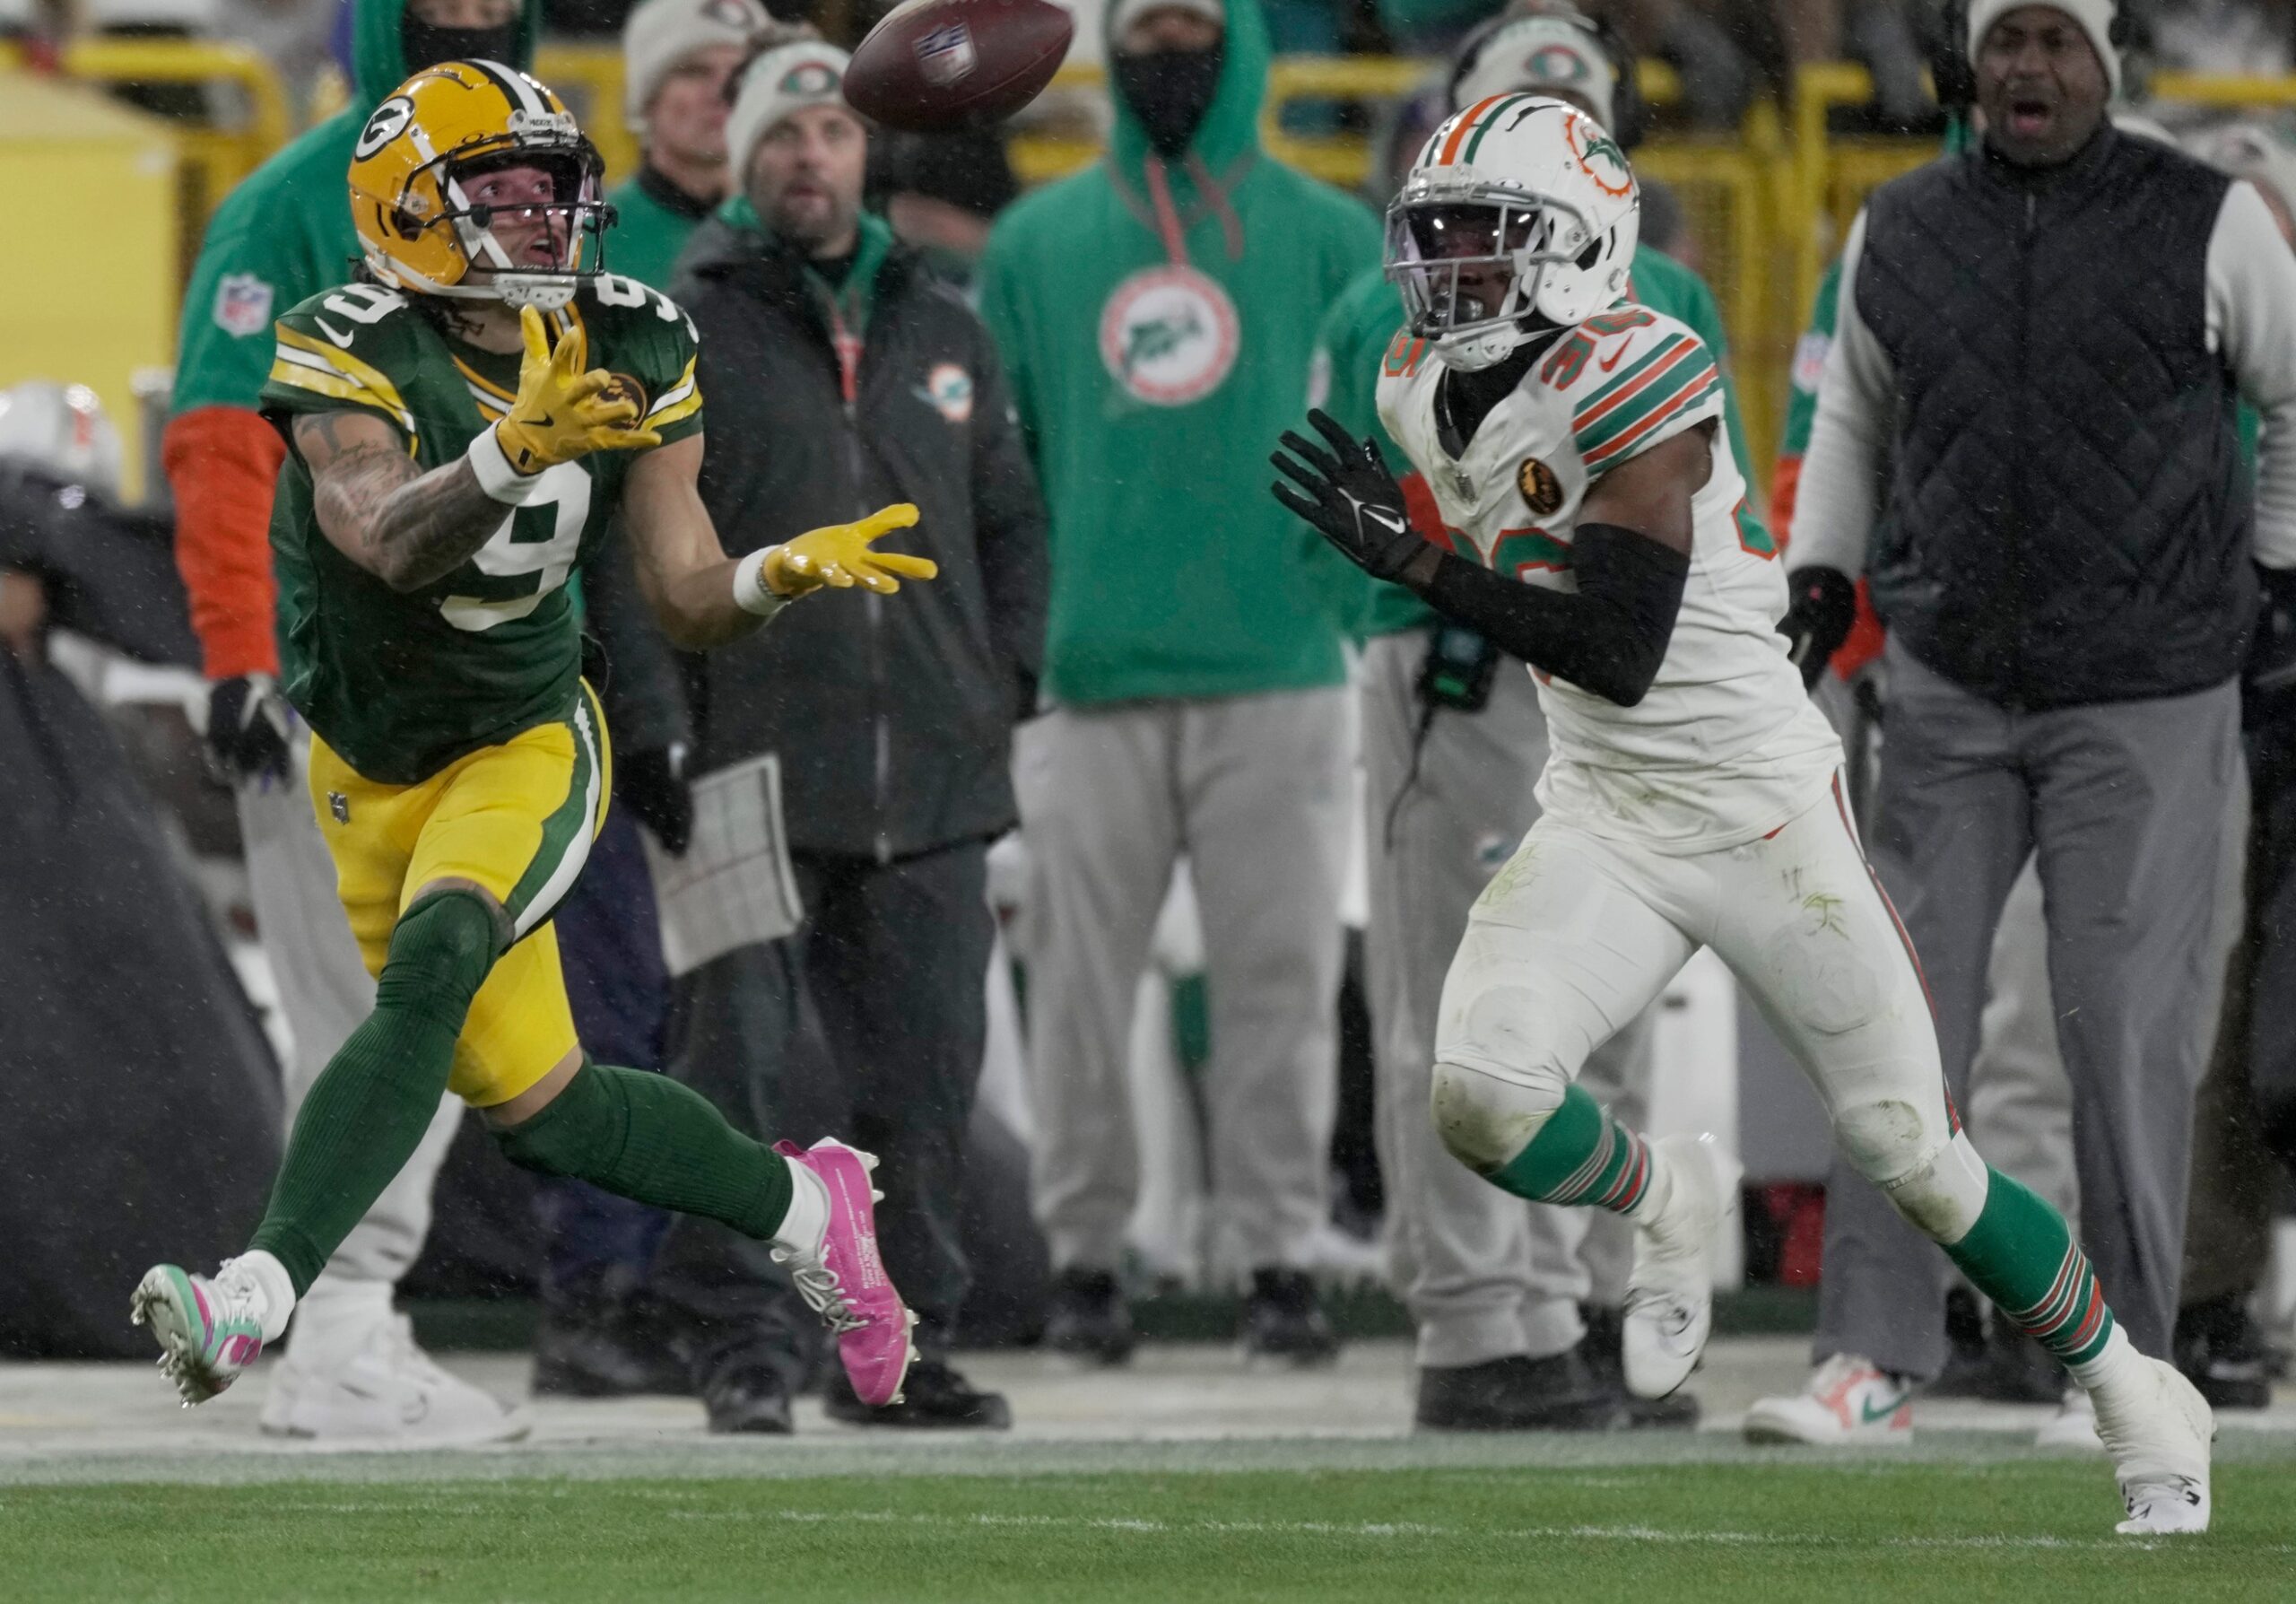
point(945, 55)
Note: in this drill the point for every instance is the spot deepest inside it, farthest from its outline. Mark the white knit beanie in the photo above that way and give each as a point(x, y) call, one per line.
point(1542, 53)
point(808, 72)
point(661, 33)
point(2094, 17)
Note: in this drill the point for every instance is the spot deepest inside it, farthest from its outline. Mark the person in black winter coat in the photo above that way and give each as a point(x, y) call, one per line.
point(841, 369)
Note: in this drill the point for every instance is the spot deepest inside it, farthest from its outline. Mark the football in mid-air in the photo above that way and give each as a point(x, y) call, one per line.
point(932, 66)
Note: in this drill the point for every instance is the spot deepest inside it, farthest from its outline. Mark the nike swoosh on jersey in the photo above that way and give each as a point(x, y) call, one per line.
point(1618, 354)
point(326, 328)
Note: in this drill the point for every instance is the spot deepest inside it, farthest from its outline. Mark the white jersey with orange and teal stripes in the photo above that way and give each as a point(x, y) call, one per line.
point(1727, 746)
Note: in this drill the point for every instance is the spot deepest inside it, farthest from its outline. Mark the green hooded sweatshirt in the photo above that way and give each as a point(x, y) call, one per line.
point(1152, 365)
point(1355, 336)
point(652, 220)
point(285, 233)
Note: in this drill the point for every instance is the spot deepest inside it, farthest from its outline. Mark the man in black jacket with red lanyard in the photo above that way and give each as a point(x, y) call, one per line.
point(852, 372)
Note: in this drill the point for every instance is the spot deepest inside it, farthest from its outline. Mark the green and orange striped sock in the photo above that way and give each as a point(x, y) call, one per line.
point(2020, 1254)
point(1581, 1157)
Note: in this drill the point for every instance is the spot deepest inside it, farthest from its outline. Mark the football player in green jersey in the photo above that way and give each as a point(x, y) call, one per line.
point(463, 426)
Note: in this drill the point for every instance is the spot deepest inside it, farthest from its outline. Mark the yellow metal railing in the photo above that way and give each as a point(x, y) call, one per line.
point(216, 158)
point(1766, 206)
point(588, 79)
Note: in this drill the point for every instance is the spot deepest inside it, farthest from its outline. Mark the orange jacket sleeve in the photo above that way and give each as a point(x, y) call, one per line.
point(221, 463)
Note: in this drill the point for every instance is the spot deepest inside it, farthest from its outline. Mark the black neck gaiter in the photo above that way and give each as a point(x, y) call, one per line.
point(1169, 91)
point(426, 46)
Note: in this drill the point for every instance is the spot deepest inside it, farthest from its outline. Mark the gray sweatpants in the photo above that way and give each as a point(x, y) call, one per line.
point(2125, 804)
point(1254, 790)
point(326, 994)
point(1485, 1275)
point(2020, 1106)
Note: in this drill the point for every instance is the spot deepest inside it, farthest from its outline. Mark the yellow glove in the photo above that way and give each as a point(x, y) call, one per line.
point(840, 556)
point(562, 412)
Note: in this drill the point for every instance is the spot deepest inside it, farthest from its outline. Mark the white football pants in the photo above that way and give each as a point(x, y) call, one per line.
point(1578, 934)
point(1448, 799)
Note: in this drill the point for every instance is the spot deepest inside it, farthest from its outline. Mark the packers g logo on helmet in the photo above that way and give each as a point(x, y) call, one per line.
point(443, 129)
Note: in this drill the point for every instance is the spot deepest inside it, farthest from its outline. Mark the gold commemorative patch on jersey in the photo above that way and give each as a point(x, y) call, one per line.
point(1541, 488)
point(621, 387)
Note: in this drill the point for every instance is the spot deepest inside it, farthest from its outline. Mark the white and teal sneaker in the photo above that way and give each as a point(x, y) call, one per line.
point(210, 1329)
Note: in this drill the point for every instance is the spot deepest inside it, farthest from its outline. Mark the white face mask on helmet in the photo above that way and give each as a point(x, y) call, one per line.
point(1519, 213)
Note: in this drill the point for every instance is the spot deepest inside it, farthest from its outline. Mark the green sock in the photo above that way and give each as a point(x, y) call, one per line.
point(1581, 1155)
point(2020, 1254)
point(646, 1138)
point(366, 1114)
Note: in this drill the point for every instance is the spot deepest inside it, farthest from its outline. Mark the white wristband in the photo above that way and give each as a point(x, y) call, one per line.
point(752, 594)
point(496, 476)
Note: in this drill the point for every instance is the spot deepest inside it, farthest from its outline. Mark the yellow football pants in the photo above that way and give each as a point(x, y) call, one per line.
point(517, 819)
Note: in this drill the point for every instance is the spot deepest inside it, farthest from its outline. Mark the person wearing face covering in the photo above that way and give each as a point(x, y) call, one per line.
point(1156, 314)
point(354, 1374)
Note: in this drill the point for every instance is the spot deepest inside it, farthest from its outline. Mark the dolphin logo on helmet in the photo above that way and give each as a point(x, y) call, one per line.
point(1520, 215)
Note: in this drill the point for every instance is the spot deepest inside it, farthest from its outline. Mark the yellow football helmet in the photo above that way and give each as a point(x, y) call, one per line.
point(440, 130)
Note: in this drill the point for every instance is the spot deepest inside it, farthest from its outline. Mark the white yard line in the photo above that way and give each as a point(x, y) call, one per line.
point(1386, 1529)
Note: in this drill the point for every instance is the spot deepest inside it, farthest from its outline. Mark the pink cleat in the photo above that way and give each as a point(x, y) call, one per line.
point(843, 1278)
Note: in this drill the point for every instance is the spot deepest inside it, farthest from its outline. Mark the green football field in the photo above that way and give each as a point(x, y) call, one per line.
point(1770, 1527)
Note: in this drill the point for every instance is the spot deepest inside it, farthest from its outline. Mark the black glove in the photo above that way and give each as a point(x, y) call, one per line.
point(1823, 606)
point(653, 785)
point(2271, 670)
point(1349, 497)
point(246, 729)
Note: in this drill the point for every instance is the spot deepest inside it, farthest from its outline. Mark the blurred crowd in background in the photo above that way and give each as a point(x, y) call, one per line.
point(1728, 51)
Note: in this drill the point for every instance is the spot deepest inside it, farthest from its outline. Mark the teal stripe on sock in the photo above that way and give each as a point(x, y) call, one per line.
point(1580, 1156)
point(2020, 1254)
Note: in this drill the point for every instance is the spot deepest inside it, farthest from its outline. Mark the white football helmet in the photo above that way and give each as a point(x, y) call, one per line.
point(62, 432)
point(1519, 213)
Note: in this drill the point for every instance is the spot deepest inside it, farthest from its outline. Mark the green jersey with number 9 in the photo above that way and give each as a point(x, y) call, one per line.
point(402, 683)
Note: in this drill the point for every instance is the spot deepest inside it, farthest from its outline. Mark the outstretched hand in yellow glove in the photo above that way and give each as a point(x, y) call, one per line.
point(563, 412)
point(840, 556)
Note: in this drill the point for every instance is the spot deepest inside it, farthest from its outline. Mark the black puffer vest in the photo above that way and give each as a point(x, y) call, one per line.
point(2067, 518)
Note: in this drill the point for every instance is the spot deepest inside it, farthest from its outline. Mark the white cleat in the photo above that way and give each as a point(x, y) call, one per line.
point(387, 1393)
point(1670, 1294)
point(1847, 1399)
point(209, 1328)
point(2157, 1427)
point(2073, 1429)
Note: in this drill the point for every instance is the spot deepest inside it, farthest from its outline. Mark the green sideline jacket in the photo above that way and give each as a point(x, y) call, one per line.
point(285, 233)
point(1154, 353)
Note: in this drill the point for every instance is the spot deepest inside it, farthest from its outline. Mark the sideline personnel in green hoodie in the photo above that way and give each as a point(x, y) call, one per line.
point(1156, 314)
point(283, 235)
point(678, 59)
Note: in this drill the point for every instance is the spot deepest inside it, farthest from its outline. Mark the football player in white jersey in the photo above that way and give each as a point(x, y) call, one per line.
point(1692, 797)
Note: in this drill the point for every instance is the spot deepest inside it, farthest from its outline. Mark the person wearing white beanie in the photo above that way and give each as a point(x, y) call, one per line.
point(2045, 74)
point(2026, 444)
point(839, 364)
point(792, 70)
point(679, 58)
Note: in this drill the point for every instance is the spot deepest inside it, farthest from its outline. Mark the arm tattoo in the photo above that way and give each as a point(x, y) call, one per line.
point(407, 527)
